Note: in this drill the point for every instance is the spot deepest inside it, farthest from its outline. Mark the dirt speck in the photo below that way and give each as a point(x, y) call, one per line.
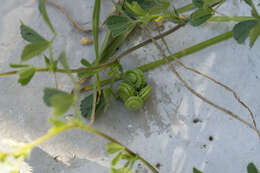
point(196, 120)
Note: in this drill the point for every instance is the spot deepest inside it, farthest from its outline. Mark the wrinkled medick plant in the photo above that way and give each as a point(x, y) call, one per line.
point(132, 88)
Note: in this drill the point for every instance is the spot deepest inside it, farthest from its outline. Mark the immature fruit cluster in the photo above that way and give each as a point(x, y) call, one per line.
point(134, 89)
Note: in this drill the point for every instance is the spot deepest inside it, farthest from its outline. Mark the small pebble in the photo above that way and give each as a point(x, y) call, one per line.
point(85, 41)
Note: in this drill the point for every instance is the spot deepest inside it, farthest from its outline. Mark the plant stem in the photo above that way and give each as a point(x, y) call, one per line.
point(92, 130)
point(179, 54)
point(52, 132)
point(230, 18)
point(73, 125)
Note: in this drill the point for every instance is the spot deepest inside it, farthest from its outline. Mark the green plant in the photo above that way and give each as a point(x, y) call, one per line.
point(133, 88)
point(251, 168)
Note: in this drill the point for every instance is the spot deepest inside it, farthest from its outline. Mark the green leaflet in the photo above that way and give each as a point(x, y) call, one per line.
point(116, 159)
point(144, 4)
point(25, 75)
point(242, 29)
point(134, 8)
point(253, 11)
point(200, 16)
point(121, 170)
point(59, 100)
point(95, 27)
point(42, 9)
point(195, 170)
point(114, 44)
point(198, 3)
point(161, 6)
point(251, 168)
point(30, 35)
point(119, 24)
point(86, 105)
point(61, 103)
point(85, 62)
point(114, 147)
point(254, 34)
point(34, 49)
point(13, 65)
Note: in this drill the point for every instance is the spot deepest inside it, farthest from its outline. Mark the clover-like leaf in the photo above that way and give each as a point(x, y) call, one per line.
point(200, 16)
point(254, 34)
point(59, 100)
point(34, 49)
point(86, 105)
point(195, 170)
point(119, 24)
point(242, 29)
point(30, 35)
point(114, 147)
point(251, 168)
point(42, 9)
point(25, 75)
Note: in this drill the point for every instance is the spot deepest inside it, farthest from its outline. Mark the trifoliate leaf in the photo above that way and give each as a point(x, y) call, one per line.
point(134, 8)
point(118, 24)
point(86, 105)
point(25, 75)
point(30, 35)
point(198, 3)
point(13, 65)
point(254, 34)
point(114, 147)
point(34, 49)
point(251, 168)
point(85, 62)
point(196, 170)
point(59, 100)
point(116, 159)
point(42, 9)
point(242, 29)
point(200, 16)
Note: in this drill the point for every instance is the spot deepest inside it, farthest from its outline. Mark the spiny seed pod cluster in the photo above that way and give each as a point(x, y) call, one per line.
point(133, 90)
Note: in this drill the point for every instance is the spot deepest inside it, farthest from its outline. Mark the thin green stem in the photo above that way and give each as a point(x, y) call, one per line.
point(230, 18)
point(185, 52)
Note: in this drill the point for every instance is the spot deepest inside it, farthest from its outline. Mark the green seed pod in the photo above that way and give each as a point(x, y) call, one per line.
point(125, 91)
point(134, 103)
point(136, 78)
point(145, 92)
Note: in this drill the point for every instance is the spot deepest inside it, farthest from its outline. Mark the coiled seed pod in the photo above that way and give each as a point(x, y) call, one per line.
point(136, 78)
point(145, 92)
point(125, 91)
point(134, 103)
